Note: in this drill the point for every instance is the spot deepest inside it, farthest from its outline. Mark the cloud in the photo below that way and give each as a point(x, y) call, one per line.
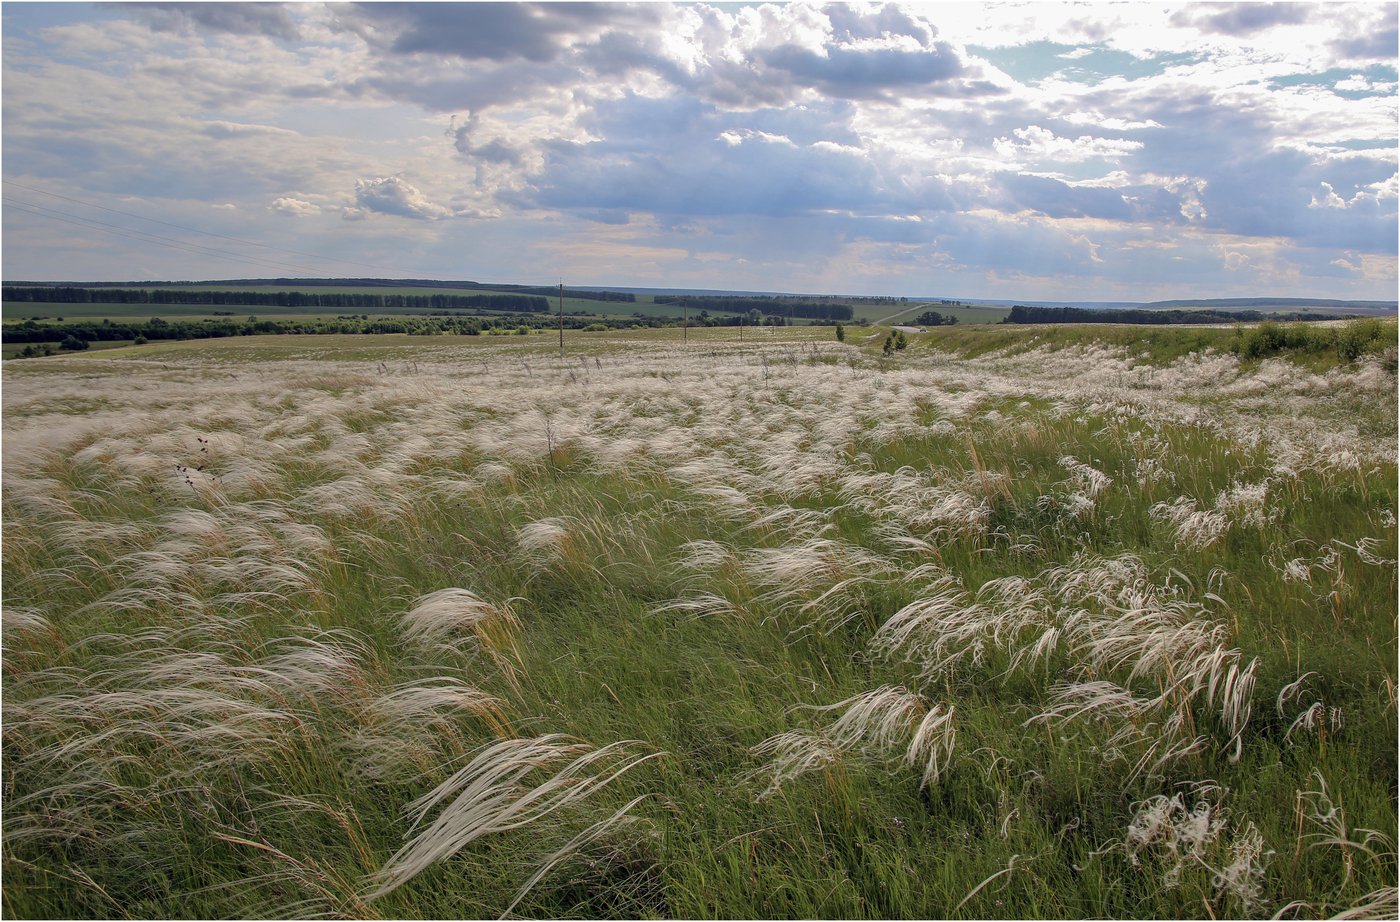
point(1329, 198)
point(266, 19)
point(852, 22)
point(1056, 199)
point(679, 156)
point(1382, 43)
point(1037, 144)
point(392, 195)
point(536, 32)
point(1031, 145)
point(855, 73)
point(1241, 19)
point(294, 207)
point(493, 151)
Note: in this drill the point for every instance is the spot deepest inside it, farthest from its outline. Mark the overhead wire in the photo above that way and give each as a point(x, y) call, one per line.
point(131, 233)
point(184, 227)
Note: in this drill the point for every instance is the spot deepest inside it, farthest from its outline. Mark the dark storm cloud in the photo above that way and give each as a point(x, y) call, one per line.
point(269, 19)
point(1383, 43)
point(865, 74)
point(491, 31)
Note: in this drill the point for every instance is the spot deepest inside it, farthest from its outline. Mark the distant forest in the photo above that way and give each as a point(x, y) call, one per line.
point(74, 295)
point(540, 290)
point(1021, 314)
point(772, 307)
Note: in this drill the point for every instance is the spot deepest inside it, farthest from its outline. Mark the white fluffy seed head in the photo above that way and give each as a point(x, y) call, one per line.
point(449, 613)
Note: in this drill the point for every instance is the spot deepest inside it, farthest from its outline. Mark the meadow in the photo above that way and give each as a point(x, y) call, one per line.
point(863, 311)
point(1009, 624)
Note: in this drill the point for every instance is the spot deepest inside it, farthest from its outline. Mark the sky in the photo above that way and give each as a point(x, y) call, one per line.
point(1037, 151)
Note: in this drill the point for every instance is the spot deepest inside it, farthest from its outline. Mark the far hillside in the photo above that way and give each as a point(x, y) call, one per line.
point(1280, 305)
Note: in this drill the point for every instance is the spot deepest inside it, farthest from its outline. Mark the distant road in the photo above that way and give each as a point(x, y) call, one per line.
point(921, 306)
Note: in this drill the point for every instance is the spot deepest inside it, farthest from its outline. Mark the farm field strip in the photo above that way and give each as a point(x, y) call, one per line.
point(362, 626)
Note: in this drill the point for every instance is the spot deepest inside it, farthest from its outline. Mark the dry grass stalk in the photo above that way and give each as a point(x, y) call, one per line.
point(496, 792)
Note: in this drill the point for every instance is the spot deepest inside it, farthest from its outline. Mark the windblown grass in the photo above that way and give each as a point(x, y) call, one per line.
point(745, 630)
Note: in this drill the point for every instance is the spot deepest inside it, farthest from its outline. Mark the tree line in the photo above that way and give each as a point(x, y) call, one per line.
point(625, 297)
point(66, 294)
point(543, 290)
point(76, 335)
point(772, 307)
point(1022, 314)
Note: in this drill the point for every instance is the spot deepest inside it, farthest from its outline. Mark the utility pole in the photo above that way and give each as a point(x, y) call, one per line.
point(685, 323)
point(561, 318)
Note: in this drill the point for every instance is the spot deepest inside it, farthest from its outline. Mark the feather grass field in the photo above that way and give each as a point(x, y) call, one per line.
point(779, 628)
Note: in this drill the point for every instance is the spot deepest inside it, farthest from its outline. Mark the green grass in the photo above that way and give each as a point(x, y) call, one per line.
point(15, 311)
point(1314, 345)
point(344, 478)
point(907, 314)
point(12, 350)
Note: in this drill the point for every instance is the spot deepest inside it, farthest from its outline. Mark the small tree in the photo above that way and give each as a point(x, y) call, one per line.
point(889, 345)
point(900, 340)
point(840, 333)
point(73, 343)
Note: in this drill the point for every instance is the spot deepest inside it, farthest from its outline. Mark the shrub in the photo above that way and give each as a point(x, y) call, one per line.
point(73, 344)
point(1357, 336)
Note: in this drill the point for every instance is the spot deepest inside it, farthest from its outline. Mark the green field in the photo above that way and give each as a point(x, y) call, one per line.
point(11, 350)
point(19, 310)
point(1059, 625)
point(14, 311)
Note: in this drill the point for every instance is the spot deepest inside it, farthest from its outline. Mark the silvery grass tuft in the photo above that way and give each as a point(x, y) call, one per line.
point(200, 684)
point(448, 613)
point(506, 786)
point(882, 721)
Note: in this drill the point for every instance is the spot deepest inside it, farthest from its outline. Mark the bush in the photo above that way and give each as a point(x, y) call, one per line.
point(1357, 336)
point(1351, 341)
point(73, 344)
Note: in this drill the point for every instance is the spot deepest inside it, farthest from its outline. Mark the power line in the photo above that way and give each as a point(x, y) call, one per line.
point(129, 214)
point(129, 233)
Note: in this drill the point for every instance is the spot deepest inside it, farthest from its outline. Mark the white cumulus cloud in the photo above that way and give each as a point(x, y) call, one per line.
point(1036, 143)
point(294, 207)
point(392, 195)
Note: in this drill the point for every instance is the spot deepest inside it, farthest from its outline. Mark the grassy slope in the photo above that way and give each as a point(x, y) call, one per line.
point(304, 812)
point(15, 311)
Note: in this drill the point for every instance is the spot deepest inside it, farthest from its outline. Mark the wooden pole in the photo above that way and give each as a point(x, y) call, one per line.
point(685, 323)
point(561, 318)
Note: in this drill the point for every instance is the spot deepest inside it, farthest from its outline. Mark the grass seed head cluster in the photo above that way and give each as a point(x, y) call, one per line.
point(779, 628)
